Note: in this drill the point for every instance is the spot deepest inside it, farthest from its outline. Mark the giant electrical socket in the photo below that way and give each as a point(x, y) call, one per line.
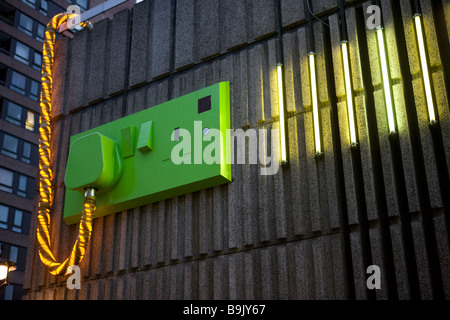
point(129, 160)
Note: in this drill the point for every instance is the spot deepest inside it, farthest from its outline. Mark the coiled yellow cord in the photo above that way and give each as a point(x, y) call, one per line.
point(45, 170)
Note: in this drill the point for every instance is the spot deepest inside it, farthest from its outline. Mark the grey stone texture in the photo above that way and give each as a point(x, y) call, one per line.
point(298, 234)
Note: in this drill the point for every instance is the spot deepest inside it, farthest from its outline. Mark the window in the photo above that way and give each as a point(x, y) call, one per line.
point(3, 73)
point(14, 113)
point(22, 53)
point(22, 188)
point(18, 82)
point(13, 253)
point(25, 24)
point(5, 43)
point(43, 8)
point(17, 148)
point(29, 123)
point(9, 146)
point(27, 55)
point(37, 61)
point(40, 32)
point(7, 13)
point(31, 27)
point(24, 85)
point(19, 115)
point(82, 3)
point(9, 292)
point(34, 91)
point(17, 255)
point(26, 153)
point(31, 3)
point(15, 183)
point(6, 180)
point(17, 225)
point(4, 216)
point(14, 219)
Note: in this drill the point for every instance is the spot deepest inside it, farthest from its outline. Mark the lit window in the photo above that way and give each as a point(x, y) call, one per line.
point(26, 153)
point(17, 226)
point(29, 123)
point(6, 180)
point(18, 82)
point(22, 53)
point(22, 188)
point(9, 146)
point(25, 24)
point(14, 113)
point(4, 216)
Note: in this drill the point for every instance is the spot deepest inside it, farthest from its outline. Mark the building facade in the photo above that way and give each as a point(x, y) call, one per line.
point(22, 27)
point(312, 230)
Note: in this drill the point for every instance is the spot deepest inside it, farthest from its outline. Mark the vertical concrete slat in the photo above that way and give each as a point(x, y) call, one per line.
point(218, 200)
point(185, 34)
point(161, 28)
point(400, 262)
point(292, 12)
point(59, 85)
point(141, 43)
point(331, 214)
point(206, 23)
point(263, 18)
point(97, 62)
point(233, 24)
point(76, 82)
point(117, 52)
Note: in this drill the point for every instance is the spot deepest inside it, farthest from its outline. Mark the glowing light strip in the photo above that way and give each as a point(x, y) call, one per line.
point(45, 170)
point(424, 63)
point(349, 94)
point(281, 113)
point(386, 82)
point(315, 103)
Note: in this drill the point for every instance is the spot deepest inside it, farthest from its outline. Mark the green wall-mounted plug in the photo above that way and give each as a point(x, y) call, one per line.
point(93, 161)
point(130, 161)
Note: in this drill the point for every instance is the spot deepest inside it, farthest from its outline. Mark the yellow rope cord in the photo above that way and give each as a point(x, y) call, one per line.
point(45, 170)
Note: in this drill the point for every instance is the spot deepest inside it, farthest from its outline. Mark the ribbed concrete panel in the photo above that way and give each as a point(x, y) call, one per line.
point(292, 12)
point(97, 62)
point(262, 18)
point(234, 32)
point(160, 26)
point(118, 43)
point(184, 38)
point(141, 44)
point(77, 71)
point(59, 69)
point(206, 35)
point(293, 87)
point(310, 230)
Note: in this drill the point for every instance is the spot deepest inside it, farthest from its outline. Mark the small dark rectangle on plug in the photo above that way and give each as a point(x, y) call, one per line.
point(204, 104)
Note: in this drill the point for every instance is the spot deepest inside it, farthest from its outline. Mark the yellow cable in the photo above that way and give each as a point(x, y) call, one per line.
point(45, 170)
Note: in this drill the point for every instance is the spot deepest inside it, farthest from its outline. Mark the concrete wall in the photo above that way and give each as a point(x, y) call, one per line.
point(308, 232)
